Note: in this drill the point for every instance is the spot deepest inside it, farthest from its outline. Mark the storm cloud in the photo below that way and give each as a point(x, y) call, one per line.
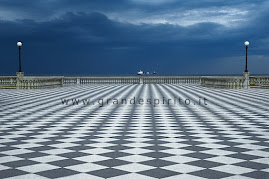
point(105, 37)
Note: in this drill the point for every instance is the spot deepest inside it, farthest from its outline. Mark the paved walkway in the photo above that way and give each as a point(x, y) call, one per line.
point(220, 134)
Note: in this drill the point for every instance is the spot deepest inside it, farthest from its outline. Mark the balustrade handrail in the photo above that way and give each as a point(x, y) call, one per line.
point(144, 76)
point(43, 77)
point(8, 77)
point(263, 76)
point(219, 77)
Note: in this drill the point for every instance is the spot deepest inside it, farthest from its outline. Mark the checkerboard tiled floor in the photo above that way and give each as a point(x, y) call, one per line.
point(41, 138)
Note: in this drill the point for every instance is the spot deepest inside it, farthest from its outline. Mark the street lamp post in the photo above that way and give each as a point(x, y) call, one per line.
point(246, 44)
point(20, 74)
point(19, 44)
point(246, 73)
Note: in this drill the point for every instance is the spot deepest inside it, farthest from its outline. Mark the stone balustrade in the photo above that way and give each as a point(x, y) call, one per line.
point(133, 80)
point(35, 82)
point(8, 81)
point(223, 81)
point(172, 80)
point(31, 82)
point(259, 81)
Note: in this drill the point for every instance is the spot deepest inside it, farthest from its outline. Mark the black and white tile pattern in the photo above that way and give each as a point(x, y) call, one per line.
point(227, 138)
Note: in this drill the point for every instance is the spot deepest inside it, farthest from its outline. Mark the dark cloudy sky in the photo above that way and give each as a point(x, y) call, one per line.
point(94, 37)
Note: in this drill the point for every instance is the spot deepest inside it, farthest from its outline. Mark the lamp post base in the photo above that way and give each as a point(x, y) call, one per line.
point(20, 74)
point(246, 80)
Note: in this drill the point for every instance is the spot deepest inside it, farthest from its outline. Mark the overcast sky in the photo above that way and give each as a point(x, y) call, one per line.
point(104, 37)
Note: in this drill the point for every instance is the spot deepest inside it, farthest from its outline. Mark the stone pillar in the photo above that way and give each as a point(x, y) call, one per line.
point(78, 81)
point(20, 75)
point(246, 80)
point(141, 80)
